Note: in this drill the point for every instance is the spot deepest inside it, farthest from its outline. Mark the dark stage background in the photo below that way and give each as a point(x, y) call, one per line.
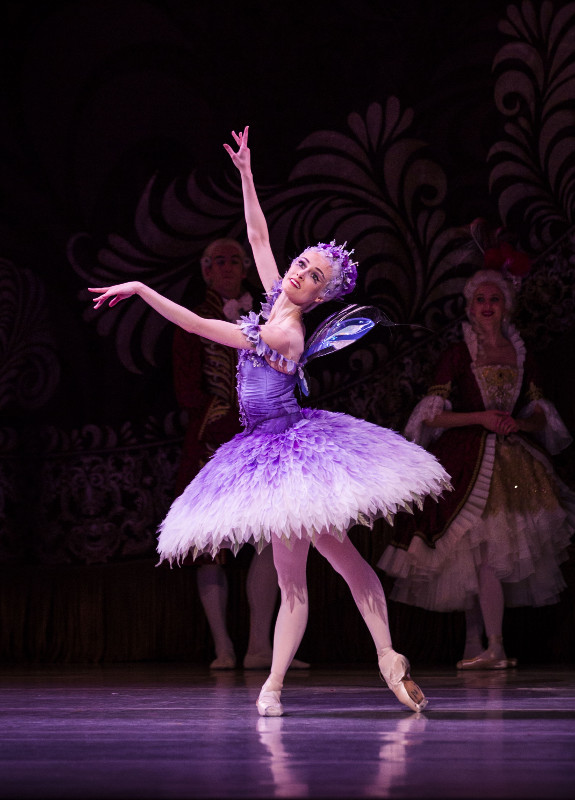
point(388, 124)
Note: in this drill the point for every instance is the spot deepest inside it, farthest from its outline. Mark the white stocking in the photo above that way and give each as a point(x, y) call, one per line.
point(262, 591)
point(362, 580)
point(365, 586)
point(213, 590)
point(290, 563)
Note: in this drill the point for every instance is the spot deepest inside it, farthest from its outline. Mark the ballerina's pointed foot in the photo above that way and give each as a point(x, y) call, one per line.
point(269, 704)
point(394, 670)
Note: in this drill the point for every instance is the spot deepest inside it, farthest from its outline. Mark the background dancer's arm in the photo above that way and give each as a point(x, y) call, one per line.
point(217, 330)
point(492, 420)
point(534, 423)
point(258, 234)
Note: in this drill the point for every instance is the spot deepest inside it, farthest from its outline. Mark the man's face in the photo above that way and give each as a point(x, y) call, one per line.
point(226, 272)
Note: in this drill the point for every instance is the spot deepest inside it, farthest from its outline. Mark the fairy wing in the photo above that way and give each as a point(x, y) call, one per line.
point(343, 328)
point(340, 330)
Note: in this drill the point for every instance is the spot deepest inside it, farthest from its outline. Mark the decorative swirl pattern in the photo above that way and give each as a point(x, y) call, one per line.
point(29, 369)
point(533, 166)
point(104, 491)
point(166, 256)
point(14, 504)
point(546, 304)
point(376, 187)
point(379, 189)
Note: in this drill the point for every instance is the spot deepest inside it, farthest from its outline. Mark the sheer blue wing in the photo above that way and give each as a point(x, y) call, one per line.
point(343, 328)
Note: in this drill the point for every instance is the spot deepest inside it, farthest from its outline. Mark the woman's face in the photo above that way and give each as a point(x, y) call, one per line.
point(307, 278)
point(488, 305)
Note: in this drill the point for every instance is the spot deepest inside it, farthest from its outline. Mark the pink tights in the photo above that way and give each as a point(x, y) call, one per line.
point(487, 613)
point(491, 601)
point(291, 563)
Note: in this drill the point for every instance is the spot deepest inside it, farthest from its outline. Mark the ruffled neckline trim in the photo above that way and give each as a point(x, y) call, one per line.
point(251, 328)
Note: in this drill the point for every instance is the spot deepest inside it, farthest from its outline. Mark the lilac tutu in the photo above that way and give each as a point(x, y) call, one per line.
point(293, 472)
point(322, 474)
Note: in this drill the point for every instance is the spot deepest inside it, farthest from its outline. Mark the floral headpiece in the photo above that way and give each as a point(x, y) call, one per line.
point(344, 269)
point(512, 264)
point(498, 254)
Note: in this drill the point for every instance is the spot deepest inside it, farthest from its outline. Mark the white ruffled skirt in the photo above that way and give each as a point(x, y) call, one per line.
point(519, 519)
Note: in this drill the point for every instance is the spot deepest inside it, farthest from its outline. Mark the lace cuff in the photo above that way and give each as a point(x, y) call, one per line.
point(416, 430)
point(554, 437)
point(251, 328)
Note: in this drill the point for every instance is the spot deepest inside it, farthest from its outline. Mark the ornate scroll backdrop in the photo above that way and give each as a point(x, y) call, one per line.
point(29, 368)
point(533, 165)
point(165, 254)
point(104, 491)
point(29, 374)
point(375, 185)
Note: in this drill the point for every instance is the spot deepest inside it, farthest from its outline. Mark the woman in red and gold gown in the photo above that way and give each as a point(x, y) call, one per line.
point(499, 538)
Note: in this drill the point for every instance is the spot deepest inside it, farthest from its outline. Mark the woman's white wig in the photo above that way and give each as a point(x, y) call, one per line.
point(489, 276)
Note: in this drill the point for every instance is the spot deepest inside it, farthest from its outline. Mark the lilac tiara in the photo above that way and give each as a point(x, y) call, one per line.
point(344, 269)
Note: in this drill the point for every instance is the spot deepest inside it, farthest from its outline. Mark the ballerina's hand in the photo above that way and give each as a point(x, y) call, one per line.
point(241, 158)
point(114, 293)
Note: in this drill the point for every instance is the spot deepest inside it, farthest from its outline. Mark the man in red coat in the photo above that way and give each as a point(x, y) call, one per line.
point(205, 385)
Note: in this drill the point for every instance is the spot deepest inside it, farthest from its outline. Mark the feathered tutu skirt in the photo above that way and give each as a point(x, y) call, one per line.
point(322, 474)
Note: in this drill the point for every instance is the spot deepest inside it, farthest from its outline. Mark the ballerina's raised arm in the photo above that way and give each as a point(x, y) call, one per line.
point(258, 234)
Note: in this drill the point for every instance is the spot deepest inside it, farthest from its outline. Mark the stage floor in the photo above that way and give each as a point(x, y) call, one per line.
point(179, 731)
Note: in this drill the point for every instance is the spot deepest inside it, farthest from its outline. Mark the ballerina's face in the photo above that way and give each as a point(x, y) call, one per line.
point(307, 278)
point(488, 305)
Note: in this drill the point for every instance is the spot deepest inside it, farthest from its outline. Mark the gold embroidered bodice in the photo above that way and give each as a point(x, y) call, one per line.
point(498, 383)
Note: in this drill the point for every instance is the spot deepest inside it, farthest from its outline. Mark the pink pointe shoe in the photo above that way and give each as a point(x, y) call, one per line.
point(224, 661)
point(268, 703)
point(492, 658)
point(394, 670)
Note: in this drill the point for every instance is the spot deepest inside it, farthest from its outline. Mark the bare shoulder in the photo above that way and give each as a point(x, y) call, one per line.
point(286, 338)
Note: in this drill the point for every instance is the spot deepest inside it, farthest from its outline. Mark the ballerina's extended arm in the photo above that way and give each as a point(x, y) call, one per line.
point(217, 330)
point(258, 234)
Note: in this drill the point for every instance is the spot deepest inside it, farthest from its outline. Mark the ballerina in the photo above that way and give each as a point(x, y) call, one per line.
point(295, 476)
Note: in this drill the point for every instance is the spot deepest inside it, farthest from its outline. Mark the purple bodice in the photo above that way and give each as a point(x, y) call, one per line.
point(266, 396)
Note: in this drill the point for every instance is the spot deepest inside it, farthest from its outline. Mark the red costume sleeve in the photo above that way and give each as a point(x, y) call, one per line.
point(212, 420)
point(459, 450)
point(187, 368)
